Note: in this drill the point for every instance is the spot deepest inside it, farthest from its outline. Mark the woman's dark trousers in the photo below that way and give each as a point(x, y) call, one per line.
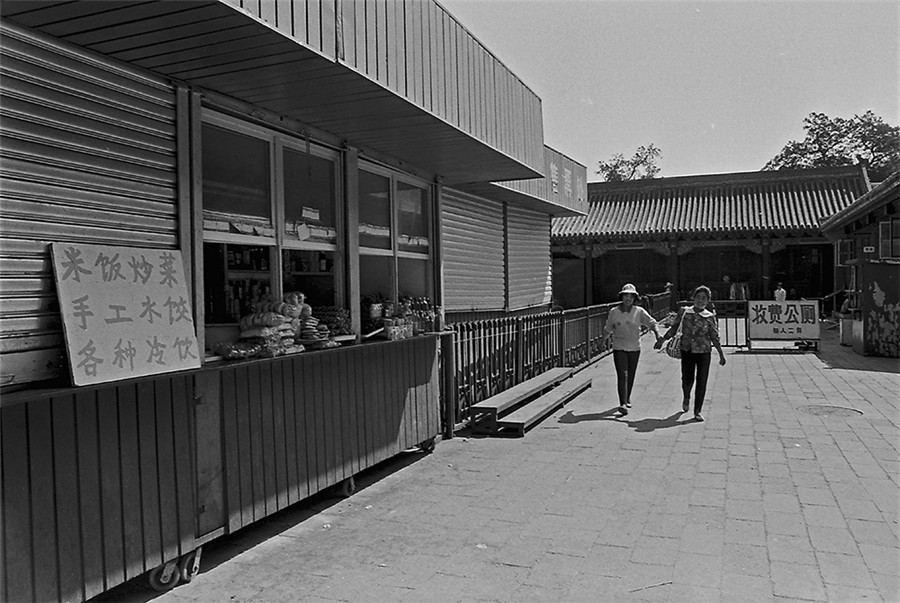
point(626, 366)
point(695, 365)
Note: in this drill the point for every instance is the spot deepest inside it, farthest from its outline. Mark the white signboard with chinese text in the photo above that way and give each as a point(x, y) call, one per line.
point(126, 311)
point(791, 319)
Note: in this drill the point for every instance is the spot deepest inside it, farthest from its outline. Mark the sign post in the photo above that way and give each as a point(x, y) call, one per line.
point(126, 311)
point(792, 320)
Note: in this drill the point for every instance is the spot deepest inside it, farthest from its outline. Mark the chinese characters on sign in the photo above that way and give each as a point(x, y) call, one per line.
point(126, 311)
point(783, 320)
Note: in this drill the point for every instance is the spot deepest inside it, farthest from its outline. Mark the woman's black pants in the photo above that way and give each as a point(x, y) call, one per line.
point(626, 366)
point(695, 366)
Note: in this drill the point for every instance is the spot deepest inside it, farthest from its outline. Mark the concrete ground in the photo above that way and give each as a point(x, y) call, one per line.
point(787, 492)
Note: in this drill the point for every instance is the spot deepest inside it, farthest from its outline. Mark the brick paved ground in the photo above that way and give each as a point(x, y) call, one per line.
point(762, 502)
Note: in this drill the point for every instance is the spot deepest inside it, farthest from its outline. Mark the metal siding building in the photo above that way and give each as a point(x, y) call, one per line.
point(104, 106)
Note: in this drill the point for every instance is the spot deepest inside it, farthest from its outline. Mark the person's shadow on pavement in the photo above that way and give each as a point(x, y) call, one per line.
point(606, 415)
point(645, 425)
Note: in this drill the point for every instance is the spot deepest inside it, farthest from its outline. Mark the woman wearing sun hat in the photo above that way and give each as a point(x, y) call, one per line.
point(623, 325)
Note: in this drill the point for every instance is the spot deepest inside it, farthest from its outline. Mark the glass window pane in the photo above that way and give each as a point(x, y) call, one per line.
point(413, 278)
point(236, 176)
point(309, 197)
point(884, 239)
point(374, 211)
point(376, 288)
point(413, 217)
point(236, 278)
point(310, 273)
point(376, 277)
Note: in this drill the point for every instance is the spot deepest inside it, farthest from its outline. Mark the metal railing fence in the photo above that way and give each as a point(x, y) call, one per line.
point(492, 355)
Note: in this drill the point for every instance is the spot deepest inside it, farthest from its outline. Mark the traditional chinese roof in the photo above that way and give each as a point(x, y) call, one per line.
point(780, 203)
point(876, 200)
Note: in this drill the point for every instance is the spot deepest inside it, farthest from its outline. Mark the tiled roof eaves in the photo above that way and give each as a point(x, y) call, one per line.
point(714, 206)
point(861, 204)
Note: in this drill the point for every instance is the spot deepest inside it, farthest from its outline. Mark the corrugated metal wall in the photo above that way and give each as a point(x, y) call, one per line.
point(530, 267)
point(473, 248)
point(87, 154)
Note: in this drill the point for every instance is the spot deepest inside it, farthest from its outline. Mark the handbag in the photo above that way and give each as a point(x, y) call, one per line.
point(673, 347)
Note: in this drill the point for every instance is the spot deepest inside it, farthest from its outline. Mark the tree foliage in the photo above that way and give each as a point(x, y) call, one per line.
point(642, 165)
point(837, 141)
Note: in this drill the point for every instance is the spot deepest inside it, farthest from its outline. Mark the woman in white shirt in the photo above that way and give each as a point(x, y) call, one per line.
point(623, 325)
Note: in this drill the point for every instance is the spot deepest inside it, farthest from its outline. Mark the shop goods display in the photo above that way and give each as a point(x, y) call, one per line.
point(278, 328)
point(398, 320)
point(337, 319)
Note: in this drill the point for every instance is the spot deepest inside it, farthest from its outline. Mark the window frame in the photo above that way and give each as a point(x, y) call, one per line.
point(277, 142)
point(844, 252)
point(892, 226)
point(394, 252)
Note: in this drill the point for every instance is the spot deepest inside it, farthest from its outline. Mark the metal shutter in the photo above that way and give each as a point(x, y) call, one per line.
point(87, 154)
point(473, 250)
point(530, 265)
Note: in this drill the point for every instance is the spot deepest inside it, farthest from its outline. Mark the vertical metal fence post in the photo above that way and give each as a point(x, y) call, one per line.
point(520, 351)
point(448, 382)
point(587, 334)
point(562, 339)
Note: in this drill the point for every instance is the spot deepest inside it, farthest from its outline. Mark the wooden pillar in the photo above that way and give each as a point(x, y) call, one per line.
point(766, 270)
point(589, 274)
point(673, 267)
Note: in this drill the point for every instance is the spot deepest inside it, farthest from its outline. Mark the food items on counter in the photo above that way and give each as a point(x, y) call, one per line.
point(282, 327)
point(337, 319)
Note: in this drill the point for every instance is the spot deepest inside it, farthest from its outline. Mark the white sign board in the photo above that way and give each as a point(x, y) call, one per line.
point(126, 311)
point(768, 319)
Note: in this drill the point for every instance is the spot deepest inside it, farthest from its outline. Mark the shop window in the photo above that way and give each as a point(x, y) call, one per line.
point(270, 221)
point(311, 273)
point(412, 278)
point(414, 218)
point(889, 239)
point(309, 198)
point(374, 211)
point(236, 278)
point(395, 234)
point(236, 183)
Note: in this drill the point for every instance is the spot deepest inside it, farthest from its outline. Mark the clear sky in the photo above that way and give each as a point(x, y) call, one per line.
point(717, 86)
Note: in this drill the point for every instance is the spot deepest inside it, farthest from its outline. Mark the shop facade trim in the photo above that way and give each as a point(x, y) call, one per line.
point(405, 79)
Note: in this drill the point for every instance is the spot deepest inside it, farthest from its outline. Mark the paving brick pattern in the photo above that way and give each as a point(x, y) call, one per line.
point(762, 502)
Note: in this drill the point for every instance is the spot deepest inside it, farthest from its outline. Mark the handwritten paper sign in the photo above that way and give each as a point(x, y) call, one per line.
point(790, 319)
point(126, 311)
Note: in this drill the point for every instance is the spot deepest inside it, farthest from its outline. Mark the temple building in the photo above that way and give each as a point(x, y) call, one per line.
point(740, 234)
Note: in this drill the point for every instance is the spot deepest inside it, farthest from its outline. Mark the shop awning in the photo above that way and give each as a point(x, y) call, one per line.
point(409, 82)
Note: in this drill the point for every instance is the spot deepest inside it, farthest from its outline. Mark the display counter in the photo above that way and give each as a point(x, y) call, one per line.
point(172, 461)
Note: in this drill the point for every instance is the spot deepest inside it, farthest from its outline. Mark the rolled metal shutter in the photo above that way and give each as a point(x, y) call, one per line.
point(530, 264)
point(87, 154)
point(473, 250)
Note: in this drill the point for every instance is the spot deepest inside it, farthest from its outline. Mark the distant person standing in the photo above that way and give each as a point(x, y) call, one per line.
point(623, 325)
point(699, 335)
point(780, 293)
